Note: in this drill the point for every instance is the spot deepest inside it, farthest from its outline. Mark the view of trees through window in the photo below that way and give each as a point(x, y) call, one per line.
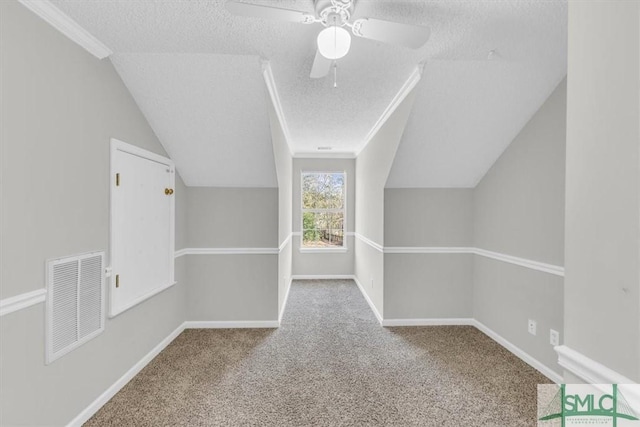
point(323, 209)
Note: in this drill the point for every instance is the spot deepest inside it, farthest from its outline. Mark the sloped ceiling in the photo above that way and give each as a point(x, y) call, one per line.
point(467, 112)
point(216, 131)
point(195, 71)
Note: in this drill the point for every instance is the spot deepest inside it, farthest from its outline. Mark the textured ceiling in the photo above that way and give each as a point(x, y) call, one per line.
point(467, 112)
point(194, 69)
point(209, 111)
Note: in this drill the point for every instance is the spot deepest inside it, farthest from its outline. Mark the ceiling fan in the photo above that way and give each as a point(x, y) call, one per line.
point(334, 41)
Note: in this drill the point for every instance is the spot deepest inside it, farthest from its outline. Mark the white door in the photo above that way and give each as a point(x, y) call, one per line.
point(142, 226)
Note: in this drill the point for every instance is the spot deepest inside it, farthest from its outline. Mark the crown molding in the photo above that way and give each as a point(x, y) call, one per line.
point(67, 26)
point(275, 98)
point(405, 90)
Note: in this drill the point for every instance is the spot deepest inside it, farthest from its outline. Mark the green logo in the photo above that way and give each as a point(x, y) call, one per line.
point(583, 404)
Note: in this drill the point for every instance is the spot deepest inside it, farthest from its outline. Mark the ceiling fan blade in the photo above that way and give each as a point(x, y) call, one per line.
point(413, 36)
point(321, 66)
point(268, 12)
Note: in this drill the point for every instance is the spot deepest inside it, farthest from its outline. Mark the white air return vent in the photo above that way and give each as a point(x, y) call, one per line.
point(75, 302)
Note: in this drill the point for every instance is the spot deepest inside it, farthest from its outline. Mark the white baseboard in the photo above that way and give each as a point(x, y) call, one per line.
point(95, 406)
point(231, 324)
point(593, 372)
point(284, 303)
point(366, 297)
point(588, 369)
point(90, 410)
point(429, 322)
point(521, 354)
point(525, 357)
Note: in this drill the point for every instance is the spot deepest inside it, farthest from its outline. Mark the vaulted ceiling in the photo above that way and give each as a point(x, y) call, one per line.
point(195, 70)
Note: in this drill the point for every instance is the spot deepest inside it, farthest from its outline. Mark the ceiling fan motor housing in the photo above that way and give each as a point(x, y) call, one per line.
point(330, 11)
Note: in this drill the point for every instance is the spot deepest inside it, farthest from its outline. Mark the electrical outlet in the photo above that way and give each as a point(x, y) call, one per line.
point(554, 337)
point(532, 327)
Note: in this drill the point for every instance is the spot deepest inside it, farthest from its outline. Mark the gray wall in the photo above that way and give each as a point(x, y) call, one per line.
point(519, 211)
point(602, 282)
point(519, 203)
point(284, 166)
point(232, 287)
point(328, 263)
point(59, 108)
point(232, 217)
point(428, 217)
point(372, 169)
point(428, 286)
point(181, 194)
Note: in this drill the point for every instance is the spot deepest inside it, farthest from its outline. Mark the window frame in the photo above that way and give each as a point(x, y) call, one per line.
point(333, 249)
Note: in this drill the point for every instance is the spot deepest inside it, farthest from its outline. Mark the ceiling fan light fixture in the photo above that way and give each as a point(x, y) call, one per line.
point(334, 42)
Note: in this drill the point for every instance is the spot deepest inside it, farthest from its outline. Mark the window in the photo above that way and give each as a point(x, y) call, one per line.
point(323, 209)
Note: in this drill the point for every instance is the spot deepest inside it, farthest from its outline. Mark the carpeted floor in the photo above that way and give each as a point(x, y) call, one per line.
point(329, 364)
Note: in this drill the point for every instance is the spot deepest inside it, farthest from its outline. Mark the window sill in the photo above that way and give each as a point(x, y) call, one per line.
point(324, 250)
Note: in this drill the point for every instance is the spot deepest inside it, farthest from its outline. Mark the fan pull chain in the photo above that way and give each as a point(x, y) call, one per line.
point(335, 48)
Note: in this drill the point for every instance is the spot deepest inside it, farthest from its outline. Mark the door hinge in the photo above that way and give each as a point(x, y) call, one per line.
point(117, 180)
point(117, 280)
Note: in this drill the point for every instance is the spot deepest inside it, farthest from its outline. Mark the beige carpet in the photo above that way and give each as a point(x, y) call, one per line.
point(329, 364)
